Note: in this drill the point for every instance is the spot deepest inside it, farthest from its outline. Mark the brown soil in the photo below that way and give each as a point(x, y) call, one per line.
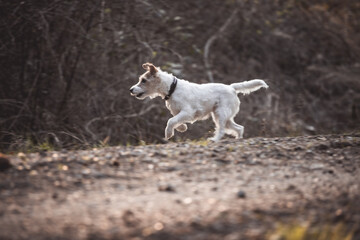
point(235, 189)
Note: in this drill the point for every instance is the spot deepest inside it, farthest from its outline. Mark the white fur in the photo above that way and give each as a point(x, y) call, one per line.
point(191, 102)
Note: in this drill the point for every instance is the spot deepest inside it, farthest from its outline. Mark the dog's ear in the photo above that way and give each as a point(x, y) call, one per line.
point(150, 67)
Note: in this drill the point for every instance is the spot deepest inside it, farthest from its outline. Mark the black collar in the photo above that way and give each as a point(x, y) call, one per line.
point(172, 88)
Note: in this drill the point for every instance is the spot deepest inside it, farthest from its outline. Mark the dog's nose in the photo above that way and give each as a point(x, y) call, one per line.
point(132, 89)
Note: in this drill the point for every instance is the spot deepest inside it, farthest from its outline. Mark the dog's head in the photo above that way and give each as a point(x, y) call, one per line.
point(148, 82)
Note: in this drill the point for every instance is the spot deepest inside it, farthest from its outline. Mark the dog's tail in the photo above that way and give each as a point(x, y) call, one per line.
point(249, 86)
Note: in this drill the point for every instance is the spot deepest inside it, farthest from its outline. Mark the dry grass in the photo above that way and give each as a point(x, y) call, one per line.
point(308, 232)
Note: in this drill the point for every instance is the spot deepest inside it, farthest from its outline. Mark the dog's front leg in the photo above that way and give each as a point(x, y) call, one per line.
point(175, 122)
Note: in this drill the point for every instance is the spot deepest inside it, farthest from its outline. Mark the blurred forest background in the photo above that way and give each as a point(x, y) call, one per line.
point(67, 65)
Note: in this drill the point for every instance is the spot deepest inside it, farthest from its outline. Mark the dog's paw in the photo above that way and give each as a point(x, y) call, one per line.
point(182, 128)
point(169, 133)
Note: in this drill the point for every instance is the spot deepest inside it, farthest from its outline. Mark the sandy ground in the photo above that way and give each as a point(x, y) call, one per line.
point(258, 188)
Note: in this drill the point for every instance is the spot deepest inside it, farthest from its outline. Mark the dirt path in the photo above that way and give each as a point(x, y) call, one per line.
point(259, 188)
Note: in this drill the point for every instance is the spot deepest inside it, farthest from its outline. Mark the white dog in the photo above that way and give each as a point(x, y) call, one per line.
point(189, 102)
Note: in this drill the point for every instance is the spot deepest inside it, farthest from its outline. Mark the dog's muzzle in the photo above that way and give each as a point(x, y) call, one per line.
point(138, 95)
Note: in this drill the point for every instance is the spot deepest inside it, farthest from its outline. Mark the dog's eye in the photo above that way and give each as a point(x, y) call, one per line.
point(143, 80)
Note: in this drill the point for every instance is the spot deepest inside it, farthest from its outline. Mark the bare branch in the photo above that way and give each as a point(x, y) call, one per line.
point(211, 40)
point(142, 112)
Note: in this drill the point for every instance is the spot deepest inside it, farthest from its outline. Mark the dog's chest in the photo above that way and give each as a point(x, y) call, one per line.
point(173, 107)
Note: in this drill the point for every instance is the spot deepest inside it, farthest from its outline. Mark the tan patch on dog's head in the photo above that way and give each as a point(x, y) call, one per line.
point(150, 76)
point(150, 67)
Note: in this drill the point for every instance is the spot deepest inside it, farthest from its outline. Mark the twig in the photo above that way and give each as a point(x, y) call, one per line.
point(33, 86)
point(73, 136)
point(146, 45)
point(142, 112)
point(210, 41)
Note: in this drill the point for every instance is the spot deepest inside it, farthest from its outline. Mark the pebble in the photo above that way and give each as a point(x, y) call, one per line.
point(291, 187)
point(166, 188)
point(316, 166)
point(322, 147)
point(108, 156)
point(116, 163)
point(187, 201)
point(222, 161)
point(241, 194)
point(21, 155)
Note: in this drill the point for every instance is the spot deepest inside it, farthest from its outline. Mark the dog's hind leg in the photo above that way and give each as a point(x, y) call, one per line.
point(235, 129)
point(182, 128)
point(219, 121)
